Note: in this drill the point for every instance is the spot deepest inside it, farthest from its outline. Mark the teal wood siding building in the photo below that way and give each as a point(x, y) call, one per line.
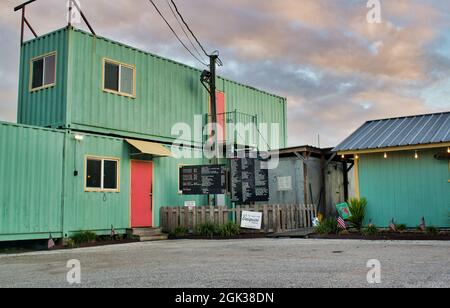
point(91, 150)
point(405, 188)
point(402, 168)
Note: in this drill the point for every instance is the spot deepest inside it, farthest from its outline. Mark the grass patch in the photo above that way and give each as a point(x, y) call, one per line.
point(328, 226)
point(370, 231)
point(83, 237)
point(401, 227)
point(432, 230)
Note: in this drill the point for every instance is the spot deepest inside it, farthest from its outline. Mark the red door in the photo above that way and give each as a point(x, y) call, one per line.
point(221, 110)
point(141, 194)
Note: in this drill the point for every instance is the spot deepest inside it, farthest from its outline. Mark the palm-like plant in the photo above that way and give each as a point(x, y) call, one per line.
point(358, 210)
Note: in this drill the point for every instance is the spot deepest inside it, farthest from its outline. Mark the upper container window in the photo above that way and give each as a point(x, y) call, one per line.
point(43, 72)
point(119, 78)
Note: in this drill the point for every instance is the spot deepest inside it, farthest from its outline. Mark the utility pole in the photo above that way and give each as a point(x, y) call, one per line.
point(213, 108)
point(212, 90)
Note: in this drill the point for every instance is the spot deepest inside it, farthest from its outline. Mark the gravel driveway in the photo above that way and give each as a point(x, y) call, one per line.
point(262, 263)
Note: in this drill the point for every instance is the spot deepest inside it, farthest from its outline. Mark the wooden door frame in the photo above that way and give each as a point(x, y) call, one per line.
point(131, 189)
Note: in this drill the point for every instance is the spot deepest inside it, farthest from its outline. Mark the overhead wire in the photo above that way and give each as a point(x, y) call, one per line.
point(189, 29)
point(183, 29)
point(175, 33)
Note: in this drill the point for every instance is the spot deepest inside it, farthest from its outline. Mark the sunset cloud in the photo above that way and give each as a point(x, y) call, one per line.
point(336, 70)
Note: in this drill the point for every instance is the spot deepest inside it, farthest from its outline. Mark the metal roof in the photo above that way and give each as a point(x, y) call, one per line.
point(398, 132)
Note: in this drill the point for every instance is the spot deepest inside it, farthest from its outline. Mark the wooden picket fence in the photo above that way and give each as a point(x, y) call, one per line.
point(276, 218)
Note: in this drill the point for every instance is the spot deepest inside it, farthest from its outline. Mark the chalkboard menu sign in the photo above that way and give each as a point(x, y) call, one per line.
point(203, 180)
point(249, 181)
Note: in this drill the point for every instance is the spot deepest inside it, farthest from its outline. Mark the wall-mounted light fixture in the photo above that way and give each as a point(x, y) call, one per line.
point(79, 137)
point(385, 155)
point(448, 150)
point(356, 156)
point(416, 155)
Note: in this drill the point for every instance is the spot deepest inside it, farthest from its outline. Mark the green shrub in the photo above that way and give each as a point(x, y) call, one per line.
point(84, 237)
point(432, 230)
point(401, 227)
point(180, 231)
point(358, 210)
point(208, 229)
point(370, 230)
point(69, 243)
point(328, 226)
point(229, 230)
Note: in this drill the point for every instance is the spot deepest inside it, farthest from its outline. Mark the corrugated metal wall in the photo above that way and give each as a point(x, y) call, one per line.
point(95, 211)
point(31, 164)
point(43, 107)
point(306, 181)
point(268, 108)
point(288, 167)
point(406, 189)
point(165, 184)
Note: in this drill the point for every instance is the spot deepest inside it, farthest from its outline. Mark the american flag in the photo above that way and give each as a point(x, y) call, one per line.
point(341, 223)
point(392, 226)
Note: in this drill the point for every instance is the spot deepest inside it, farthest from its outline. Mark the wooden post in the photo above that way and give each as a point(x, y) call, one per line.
point(211, 214)
point(266, 218)
point(238, 215)
point(203, 217)
point(194, 219)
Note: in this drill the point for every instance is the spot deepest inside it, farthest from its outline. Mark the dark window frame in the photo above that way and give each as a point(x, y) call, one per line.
point(120, 66)
point(43, 85)
point(102, 174)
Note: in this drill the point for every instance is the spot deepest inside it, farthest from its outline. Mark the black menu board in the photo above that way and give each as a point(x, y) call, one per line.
point(249, 181)
point(203, 180)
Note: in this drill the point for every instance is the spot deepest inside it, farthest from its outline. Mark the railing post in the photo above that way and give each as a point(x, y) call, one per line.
point(235, 128)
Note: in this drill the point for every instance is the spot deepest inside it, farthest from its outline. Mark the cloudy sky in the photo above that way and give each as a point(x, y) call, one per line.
point(335, 68)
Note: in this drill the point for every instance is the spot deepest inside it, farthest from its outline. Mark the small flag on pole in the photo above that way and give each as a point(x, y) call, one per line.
point(51, 242)
point(341, 223)
point(423, 225)
point(392, 225)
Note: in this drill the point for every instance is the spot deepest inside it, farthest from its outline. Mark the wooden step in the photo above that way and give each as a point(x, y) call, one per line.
point(149, 234)
point(154, 238)
point(145, 232)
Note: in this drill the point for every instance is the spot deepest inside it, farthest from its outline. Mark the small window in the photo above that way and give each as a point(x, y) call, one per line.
point(119, 78)
point(43, 72)
point(102, 174)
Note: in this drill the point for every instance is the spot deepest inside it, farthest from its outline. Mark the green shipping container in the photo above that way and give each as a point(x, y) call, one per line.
point(43, 184)
point(166, 92)
point(31, 178)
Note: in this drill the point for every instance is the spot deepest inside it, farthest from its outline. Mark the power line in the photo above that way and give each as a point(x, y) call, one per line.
point(176, 35)
point(187, 26)
point(182, 28)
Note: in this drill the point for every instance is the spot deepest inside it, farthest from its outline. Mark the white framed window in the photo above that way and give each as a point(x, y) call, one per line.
point(102, 174)
point(43, 72)
point(119, 78)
